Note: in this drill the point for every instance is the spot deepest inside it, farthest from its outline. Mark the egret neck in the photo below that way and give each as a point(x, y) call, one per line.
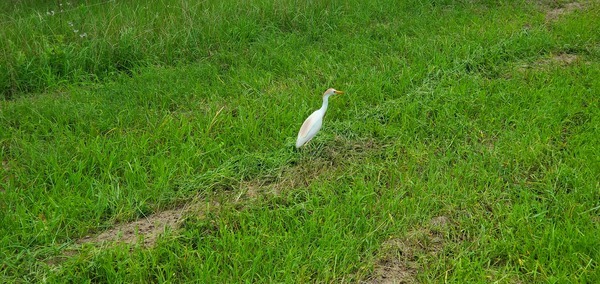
point(325, 103)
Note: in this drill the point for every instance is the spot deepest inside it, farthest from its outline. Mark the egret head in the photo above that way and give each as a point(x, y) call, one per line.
point(332, 91)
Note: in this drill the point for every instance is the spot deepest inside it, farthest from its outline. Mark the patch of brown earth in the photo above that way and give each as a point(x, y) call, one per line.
point(564, 58)
point(401, 258)
point(554, 14)
point(398, 266)
point(145, 230)
point(561, 59)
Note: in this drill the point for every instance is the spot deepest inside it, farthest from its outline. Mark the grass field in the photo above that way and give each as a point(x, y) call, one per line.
point(154, 143)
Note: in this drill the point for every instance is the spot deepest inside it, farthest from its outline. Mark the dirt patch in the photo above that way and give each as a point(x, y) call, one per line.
point(555, 13)
point(143, 231)
point(146, 229)
point(561, 59)
point(398, 266)
point(402, 258)
point(440, 222)
point(564, 58)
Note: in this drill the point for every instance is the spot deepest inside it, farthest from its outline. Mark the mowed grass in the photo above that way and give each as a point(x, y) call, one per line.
point(454, 110)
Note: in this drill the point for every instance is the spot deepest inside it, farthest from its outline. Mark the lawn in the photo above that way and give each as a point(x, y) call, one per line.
point(155, 143)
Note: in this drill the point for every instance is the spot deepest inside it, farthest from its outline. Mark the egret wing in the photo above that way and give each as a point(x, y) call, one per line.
point(306, 126)
point(309, 128)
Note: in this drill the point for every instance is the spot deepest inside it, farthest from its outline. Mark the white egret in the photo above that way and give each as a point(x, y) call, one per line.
point(313, 123)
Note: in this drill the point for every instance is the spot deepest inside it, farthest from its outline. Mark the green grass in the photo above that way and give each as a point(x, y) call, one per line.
point(458, 109)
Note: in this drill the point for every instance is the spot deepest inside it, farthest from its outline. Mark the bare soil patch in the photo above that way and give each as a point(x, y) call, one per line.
point(402, 258)
point(145, 232)
point(564, 58)
point(146, 229)
point(555, 13)
point(561, 59)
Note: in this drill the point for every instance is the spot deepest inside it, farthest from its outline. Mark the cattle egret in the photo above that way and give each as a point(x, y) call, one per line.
point(313, 123)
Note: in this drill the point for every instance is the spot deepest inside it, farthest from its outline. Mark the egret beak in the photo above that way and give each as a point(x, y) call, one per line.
point(338, 92)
